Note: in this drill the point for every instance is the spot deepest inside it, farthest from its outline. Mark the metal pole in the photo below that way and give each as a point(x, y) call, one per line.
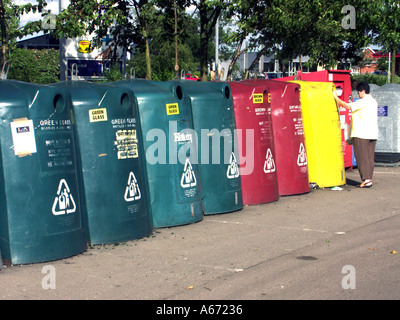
point(216, 49)
point(63, 44)
point(176, 68)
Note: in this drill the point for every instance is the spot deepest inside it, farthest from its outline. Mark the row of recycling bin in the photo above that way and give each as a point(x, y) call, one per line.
point(85, 163)
point(387, 150)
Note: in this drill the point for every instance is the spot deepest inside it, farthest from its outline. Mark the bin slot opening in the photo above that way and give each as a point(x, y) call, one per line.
point(58, 103)
point(125, 101)
point(227, 92)
point(179, 92)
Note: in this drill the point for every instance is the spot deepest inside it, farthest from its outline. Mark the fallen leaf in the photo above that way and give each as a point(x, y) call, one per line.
point(393, 252)
point(190, 287)
point(372, 248)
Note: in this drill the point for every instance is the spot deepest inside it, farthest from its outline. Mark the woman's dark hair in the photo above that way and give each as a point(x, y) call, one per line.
point(363, 86)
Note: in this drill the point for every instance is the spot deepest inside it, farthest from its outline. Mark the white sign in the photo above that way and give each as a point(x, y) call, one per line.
point(23, 136)
point(233, 168)
point(269, 164)
point(302, 157)
point(132, 191)
point(64, 201)
point(188, 178)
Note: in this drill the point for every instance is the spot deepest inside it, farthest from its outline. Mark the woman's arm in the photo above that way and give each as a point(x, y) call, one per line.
point(341, 102)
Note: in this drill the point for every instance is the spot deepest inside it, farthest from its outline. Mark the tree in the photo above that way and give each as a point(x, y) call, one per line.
point(314, 28)
point(382, 64)
point(209, 12)
point(245, 19)
point(8, 27)
point(162, 46)
point(319, 29)
point(126, 21)
point(387, 29)
point(9, 20)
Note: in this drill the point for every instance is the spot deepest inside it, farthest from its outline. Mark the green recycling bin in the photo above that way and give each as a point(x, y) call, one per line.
point(214, 124)
point(170, 148)
point(111, 162)
point(40, 206)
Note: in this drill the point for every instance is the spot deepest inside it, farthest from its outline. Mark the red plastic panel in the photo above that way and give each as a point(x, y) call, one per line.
point(256, 143)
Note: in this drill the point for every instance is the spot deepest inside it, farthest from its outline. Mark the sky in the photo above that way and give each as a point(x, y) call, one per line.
point(52, 5)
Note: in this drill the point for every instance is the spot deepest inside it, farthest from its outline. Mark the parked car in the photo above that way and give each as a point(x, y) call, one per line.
point(272, 75)
point(190, 76)
point(381, 73)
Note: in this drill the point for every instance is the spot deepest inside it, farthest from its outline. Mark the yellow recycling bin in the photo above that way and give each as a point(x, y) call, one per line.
point(322, 132)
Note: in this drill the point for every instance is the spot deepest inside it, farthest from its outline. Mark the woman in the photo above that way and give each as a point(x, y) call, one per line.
point(364, 131)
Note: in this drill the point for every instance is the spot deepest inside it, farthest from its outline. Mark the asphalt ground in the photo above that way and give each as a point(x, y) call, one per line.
point(323, 245)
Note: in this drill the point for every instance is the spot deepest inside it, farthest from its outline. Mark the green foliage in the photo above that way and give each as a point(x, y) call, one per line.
point(290, 28)
point(9, 27)
point(35, 66)
point(382, 64)
point(113, 73)
point(370, 78)
point(387, 26)
point(162, 62)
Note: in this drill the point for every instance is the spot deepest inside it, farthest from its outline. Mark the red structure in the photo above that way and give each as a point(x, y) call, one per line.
point(288, 133)
point(341, 79)
point(381, 54)
point(253, 119)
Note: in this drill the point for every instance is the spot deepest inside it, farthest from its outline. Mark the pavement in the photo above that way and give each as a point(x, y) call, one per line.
point(326, 244)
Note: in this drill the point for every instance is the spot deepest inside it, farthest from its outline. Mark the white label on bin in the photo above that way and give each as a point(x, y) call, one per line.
point(302, 157)
point(132, 191)
point(127, 144)
point(64, 201)
point(233, 168)
point(23, 136)
point(188, 178)
point(269, 164)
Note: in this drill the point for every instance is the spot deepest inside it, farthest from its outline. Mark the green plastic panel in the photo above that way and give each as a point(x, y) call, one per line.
point(40, 206)
point(214, 124)
point(111, 162)
point(167, 128)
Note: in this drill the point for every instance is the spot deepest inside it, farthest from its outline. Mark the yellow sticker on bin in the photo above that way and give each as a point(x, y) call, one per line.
point(172, 108)
point(258, 98)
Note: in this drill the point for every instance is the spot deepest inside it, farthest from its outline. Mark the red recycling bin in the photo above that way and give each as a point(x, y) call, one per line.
point(256, 145)
point(342, 81)
point(288, 133)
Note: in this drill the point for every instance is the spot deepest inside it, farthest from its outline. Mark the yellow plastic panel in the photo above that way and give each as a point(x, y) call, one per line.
point(322, 134)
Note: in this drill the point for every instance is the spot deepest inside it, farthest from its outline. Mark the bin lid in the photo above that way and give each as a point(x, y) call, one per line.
point(389, 87)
